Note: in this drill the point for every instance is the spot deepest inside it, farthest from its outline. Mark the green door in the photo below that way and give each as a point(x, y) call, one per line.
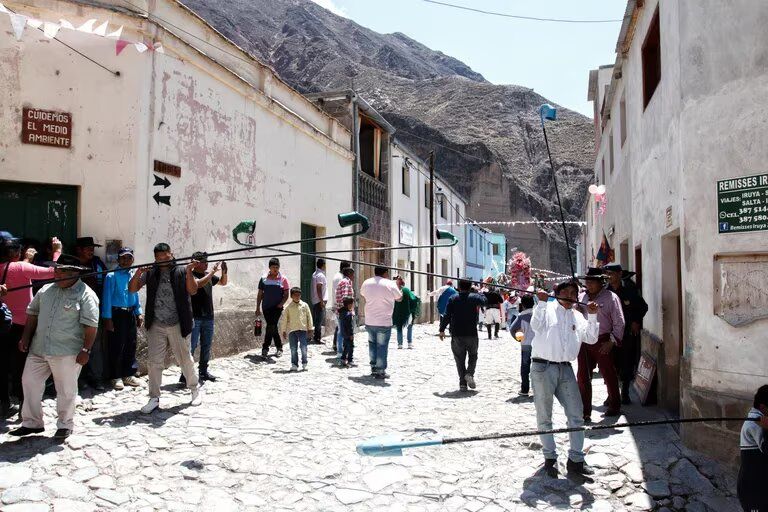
point(307, 262)
point(39, 212)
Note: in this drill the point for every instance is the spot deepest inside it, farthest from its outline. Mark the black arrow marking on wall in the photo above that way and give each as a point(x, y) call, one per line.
point(161, 199)
point(165, 182)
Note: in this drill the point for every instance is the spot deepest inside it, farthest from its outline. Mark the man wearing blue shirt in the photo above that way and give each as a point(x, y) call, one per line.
point(122, 315)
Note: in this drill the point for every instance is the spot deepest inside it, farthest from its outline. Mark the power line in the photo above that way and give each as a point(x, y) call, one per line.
point(519, 17)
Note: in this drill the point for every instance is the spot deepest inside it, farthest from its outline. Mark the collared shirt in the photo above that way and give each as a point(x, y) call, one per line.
point(296, 317)
point(610, 315)
point(559, 332)
point(319, 278)
point(116, 294)
point(344, 289)
point(165, 303)
point(380, 295)
point(61, 314)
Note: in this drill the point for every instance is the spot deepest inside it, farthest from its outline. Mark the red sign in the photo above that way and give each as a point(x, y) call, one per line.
point(646, 371)
point(166, 168)
point(46, 128)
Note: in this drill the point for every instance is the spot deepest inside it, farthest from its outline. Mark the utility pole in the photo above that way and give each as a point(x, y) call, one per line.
point(431, 279)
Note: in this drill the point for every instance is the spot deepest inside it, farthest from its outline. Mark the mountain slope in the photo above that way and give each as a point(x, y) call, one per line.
point(491, 146)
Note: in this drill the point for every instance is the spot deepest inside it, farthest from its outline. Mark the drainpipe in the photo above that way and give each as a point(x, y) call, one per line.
point(356, 177)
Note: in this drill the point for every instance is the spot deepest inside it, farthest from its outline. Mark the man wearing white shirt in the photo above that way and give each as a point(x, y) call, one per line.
point(380, 294)
point(559, 332)
point(319, 295)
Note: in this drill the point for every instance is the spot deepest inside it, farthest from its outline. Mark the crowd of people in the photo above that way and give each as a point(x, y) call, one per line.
point(88, 319)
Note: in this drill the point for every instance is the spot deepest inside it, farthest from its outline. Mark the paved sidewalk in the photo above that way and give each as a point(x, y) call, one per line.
point(270, 440)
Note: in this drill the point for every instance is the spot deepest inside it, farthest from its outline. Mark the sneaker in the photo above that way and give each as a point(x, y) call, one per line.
point(410, 346)
point(153, 404)
point(132, 381)
point(303, 367)
point(470, 381)
point(279, 353)
point(399, 347)
point(25, 431)
point(587, 419)
point(197, 397)
point(550, 467)
point(523, 393)
point(117, 384)
point(62, 434)
point(264, 353)
point(294, 368)
point(463, 387)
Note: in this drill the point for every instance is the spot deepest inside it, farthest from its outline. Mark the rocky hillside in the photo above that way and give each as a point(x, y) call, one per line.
point(431, 98)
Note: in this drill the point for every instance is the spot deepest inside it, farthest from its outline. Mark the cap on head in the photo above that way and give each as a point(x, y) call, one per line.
point(125, 251)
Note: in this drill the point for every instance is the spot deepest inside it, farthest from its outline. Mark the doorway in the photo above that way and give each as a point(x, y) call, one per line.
point(39, 212)
point(671, 350)
point(308, 263)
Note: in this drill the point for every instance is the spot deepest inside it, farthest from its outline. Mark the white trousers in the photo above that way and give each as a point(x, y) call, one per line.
point(159, 338)
point(492, 316)
point(37, 369)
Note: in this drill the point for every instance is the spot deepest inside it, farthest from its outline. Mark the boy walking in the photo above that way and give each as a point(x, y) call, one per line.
point(404, 313)
point(296, 325)
point(347, 324)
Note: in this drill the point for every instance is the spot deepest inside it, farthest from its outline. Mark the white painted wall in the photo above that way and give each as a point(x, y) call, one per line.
point(243, 156)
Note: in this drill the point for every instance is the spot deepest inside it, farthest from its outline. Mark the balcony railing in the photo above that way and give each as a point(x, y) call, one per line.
point(373, 191)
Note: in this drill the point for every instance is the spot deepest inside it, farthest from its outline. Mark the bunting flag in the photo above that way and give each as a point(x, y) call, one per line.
point(34, 23)
point(87, 27)
point(18, 22)
point(605, 254)
point(159, 48)
point(509, 223)
point(141, 47)
point(3, 9)
point(101, 30)
point(120, 46)
point(51, 29)
point(66, 24)
point(116, 34)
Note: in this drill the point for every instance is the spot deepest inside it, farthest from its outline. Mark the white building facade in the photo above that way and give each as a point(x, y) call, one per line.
point(234, 142)
point(682, 154)
point(410, 221)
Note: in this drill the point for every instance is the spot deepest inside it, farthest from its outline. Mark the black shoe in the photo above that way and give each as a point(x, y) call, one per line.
point(587, 419)
point(264, 353)
point(550, 467)
point(612, 412)
point(25, 431)
point(578, 468)
point(463, 387)
point(279, 353)
point(7, 410)
point(62, 434)
point(625, 400)
point(182, 379)
point(207, 376)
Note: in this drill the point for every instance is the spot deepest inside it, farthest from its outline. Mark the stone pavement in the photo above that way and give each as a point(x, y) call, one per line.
point(269, 440)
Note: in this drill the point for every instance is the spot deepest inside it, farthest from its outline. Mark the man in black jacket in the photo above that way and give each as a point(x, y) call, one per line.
point(462, 315)
point(168, 317)
point(627, 356)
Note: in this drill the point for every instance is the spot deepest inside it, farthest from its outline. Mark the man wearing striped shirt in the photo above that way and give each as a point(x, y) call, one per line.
point(344, 289)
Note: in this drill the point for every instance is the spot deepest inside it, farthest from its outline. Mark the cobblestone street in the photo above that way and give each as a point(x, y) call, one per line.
point(267, 439)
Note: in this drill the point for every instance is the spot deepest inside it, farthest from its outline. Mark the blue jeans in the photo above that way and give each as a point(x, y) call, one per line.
point(558, 380)
point(202, 334)
point(339, 337)
point(296, 339)
point(378, 345)
point(525, 368)
point(399, 329)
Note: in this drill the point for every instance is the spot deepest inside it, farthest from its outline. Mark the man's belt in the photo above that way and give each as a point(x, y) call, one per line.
point(122, 309)
point(544, 361)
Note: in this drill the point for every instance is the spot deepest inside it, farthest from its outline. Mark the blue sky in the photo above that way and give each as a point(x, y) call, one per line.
point(552, 58)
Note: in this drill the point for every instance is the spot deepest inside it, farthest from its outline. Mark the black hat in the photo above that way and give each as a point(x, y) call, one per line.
point(86, 241)
point(616, 267)
point(68, 262)
point(593, 273)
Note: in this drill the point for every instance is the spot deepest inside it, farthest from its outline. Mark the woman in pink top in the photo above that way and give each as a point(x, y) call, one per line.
point(17, 273)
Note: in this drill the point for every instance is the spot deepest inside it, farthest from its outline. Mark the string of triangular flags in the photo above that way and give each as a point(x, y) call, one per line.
point(50, 29)
point(510, 223)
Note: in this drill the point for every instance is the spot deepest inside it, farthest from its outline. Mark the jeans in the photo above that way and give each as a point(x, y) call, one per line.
point(339, 337)
point(202, 333)
point(463, 348)
point(122, 345)
point(378, 344)
point(272, 317)
point(349, 350)
point(399, 329)
point(525, 368)
point(318, 317)
point(298, 339)
point(558, 381)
